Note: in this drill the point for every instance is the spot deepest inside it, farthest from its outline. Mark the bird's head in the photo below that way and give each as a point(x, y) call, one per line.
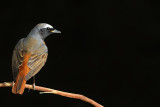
point(45, 30)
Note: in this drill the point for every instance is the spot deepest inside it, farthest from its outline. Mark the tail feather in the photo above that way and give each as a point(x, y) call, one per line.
point(20, 82)
point(19, 85)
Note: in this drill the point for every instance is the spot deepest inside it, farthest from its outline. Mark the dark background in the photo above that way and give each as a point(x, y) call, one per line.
point(107, 51)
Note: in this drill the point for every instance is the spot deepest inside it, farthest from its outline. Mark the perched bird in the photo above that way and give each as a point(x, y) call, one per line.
point(30, 55)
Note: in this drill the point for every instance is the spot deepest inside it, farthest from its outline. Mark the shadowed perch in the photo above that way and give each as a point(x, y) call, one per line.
point(52, 91)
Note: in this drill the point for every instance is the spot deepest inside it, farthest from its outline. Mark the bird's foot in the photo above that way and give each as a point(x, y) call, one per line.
point(33, 85)
point(12, 83)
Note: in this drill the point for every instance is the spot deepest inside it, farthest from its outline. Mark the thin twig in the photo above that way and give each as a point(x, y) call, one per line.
point(53, 91)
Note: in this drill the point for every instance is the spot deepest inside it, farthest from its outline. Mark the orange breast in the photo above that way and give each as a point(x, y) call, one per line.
point(44, 42)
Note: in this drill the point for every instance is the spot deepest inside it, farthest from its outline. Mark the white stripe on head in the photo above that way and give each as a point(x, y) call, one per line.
point(47, 25)
point(43, 25)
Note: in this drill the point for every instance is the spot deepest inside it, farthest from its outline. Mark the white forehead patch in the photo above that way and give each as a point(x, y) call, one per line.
point(47, 25)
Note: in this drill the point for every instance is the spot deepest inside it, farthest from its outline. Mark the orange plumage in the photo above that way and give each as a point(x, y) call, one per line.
point(20, 82)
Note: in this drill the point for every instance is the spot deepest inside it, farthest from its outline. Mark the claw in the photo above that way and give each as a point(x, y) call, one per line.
point(12, 83)
point(33, 85)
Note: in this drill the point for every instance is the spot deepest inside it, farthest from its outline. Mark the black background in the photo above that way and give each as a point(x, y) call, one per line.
point(107, 51)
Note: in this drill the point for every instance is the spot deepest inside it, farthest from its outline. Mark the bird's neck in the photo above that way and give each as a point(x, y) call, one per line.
point(36, 34)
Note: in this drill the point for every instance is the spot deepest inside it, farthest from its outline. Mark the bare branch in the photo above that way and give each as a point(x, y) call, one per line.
point(53, 91)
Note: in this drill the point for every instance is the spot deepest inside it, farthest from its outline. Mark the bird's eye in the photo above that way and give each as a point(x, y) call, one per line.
point(48, 29)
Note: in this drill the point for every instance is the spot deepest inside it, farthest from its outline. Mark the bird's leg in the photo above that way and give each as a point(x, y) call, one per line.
point(12, 83)
point(33, 83)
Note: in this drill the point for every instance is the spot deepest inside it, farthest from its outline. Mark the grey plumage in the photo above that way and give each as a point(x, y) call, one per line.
point(33, 44)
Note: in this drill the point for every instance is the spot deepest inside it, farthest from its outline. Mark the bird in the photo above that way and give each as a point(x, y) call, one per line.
point(29, 56)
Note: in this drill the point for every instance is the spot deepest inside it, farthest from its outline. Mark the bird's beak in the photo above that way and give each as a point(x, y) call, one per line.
point(55, 31)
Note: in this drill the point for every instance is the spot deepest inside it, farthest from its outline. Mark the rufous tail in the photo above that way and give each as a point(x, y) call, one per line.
point(19, 86)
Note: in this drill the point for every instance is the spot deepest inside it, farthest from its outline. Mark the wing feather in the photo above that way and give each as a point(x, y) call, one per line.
point(35, 63)
point(17, 58)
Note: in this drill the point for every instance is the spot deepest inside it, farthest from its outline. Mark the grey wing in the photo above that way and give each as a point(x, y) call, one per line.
point(17, 58)
point(35, 63)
